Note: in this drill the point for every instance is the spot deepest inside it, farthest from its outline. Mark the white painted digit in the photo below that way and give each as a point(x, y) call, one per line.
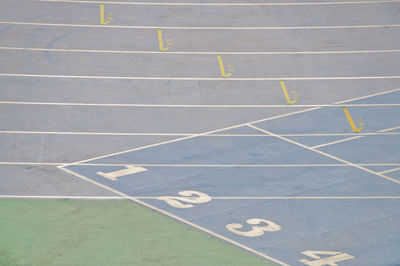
point(187, 197)
point(256, 230)
point(130, 169)
point(331, 260)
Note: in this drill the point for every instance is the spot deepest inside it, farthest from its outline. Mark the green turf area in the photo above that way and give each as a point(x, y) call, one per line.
point(105, 232)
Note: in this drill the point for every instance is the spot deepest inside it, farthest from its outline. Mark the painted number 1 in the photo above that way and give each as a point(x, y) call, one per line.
point(129, 170)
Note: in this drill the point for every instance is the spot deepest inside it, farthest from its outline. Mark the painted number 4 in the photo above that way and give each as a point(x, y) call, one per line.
point(329, 257)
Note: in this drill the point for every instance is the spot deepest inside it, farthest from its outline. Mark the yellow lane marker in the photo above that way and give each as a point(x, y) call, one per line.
point(102, 21)
point(221, 67)
point(352, 124)
point(289, 101)
point(161, 42)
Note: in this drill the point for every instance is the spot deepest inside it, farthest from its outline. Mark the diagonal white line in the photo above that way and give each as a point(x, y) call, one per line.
point(390, 170)
point(335, 142)
point(368, 96)
point(325, 154)
point(388, 129)
point(193, 136)
point(355, 137)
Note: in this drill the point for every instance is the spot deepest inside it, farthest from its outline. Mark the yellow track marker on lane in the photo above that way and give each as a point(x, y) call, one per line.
point(161, 42)
point(288, 100)
point(352, 124)
point(102, 20)
point(221, 67)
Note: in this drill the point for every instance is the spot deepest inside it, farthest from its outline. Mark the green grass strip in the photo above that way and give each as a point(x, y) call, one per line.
point(105, 232)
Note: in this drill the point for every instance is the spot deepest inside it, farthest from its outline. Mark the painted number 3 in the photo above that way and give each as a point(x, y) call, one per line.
point(256, 230)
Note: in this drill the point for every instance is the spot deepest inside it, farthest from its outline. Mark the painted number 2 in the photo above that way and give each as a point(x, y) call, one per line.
point(187, 197)
point(331, 257)
point(255, 229)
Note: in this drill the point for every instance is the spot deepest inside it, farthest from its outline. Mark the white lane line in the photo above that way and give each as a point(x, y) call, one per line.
point(355, 137)
point(390, 170)
point(200, 165)
point(388, 129)
point(336, 142)
point(305, 198)
point(197, 53)
point(220, 4)
point(199, 27)
point(182, 165)
point(96, 133)
point(31, 163)
point(174, 216)
point(214, 198)
point(368, 96)
point(189, 134)
point(227, 128)
point(202, 105)
point(194, 79)
point(58, 197)
point(325, 154)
